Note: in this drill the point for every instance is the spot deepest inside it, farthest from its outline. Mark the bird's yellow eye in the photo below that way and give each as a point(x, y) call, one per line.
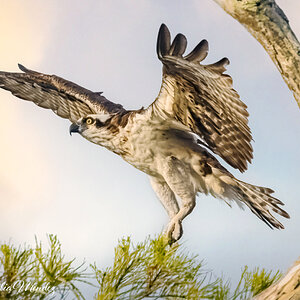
point(89, 121)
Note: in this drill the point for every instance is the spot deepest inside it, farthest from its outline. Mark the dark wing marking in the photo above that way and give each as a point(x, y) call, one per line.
point(67, 99)
point(201, 98)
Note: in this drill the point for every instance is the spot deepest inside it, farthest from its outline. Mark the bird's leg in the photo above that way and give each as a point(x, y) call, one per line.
point(178, 179)
point(167, 198)
point(165, 195)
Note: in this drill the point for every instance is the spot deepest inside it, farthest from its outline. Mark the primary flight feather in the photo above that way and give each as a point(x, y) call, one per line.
point(196, 110)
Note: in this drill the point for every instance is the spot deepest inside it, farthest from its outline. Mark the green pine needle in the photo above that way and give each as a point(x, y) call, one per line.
point(149, 270)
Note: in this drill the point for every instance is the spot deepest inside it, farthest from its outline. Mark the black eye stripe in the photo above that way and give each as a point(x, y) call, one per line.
point(99, 123)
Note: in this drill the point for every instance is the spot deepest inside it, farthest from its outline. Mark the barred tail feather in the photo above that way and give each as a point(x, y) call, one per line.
point(260, 202)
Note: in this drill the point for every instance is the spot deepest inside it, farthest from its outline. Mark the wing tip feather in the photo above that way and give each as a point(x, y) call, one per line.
point(199, 53)
point(220, 66)
point(26, 70)
point(178, 45)
point(163, 41)
point(22, 68)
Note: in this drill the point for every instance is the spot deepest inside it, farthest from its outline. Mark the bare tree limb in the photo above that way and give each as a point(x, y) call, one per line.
point(268, 24)
point(288, 288)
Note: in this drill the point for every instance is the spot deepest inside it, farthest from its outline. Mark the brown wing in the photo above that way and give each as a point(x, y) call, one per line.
point(67, 99)
point(201, 98)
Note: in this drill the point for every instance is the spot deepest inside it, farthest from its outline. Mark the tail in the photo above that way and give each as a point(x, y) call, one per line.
point(260, 202)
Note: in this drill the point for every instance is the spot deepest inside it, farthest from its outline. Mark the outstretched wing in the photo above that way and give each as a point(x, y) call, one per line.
point(201, 99)
point(67, 99)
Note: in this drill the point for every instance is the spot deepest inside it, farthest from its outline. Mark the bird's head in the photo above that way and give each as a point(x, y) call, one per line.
point(93, 127)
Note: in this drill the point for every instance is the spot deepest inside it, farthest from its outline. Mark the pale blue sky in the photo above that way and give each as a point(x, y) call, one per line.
point(89, 197)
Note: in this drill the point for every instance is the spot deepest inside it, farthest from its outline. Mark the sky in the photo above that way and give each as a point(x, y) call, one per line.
point(53, 183)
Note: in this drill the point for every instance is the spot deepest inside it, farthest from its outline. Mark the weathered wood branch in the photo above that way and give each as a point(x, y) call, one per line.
point(288, 288)
point(269, 25)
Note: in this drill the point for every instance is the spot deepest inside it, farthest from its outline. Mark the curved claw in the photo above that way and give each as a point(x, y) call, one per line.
point(174, 231)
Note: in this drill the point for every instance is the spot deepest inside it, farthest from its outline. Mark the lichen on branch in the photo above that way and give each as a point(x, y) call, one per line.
point(265, 20)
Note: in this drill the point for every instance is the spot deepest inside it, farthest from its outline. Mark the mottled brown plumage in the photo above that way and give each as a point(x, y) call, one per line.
point(67, 99)
point(196, 110)
point(203, 100)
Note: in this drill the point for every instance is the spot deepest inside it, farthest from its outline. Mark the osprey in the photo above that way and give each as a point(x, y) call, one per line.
point(196, 113)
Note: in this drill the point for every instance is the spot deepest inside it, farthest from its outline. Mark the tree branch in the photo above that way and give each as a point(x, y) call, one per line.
point(268, 24)
point(286, 288)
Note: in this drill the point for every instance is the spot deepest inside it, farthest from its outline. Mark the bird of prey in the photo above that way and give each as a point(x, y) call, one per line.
point(196, 114)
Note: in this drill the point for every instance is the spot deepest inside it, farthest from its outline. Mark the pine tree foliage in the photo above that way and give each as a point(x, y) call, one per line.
point(155, 270)
point(250, 284)
point(254, 282)
point(152, 269)
point(149, 270)
point(31, 273)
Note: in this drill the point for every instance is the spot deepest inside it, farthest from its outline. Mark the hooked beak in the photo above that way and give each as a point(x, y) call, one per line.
point(74, 128)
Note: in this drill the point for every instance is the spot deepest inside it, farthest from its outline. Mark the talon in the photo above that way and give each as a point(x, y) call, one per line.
point(174, 232)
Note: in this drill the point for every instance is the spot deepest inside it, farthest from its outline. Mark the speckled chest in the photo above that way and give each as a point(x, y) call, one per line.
point(145, 145)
